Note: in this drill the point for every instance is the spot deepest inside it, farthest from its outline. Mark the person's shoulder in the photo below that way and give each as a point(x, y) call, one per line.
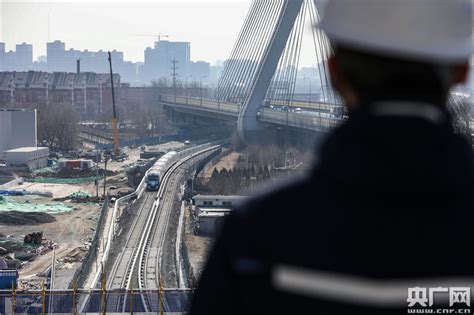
point(275, 201)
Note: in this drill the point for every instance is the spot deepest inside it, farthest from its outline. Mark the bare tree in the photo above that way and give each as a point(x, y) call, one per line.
point(149, 121)
point(58, 126)
point(160, 83)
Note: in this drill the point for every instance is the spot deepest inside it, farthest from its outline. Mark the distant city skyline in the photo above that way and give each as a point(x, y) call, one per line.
point(165, 60)
point(124, 26)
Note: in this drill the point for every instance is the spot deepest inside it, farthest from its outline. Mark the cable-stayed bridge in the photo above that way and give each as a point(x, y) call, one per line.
point(257, 86)
point(258, 81)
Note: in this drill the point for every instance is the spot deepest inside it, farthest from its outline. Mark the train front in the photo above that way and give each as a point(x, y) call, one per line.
point(153, 181)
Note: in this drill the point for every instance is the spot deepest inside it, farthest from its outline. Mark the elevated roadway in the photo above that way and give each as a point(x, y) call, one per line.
point(318, 117)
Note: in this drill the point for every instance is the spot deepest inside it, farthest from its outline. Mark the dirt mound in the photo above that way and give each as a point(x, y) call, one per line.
point(25, 218)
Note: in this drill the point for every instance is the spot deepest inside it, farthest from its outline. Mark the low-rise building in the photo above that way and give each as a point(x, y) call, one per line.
point(31, 158)
point(8, 276)
point(211, 211)
point(227, 201)
point(82, 164)
point(17, 129)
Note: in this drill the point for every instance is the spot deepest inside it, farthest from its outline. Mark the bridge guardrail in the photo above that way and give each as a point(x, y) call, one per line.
point(201, 103)
point(234, 107)
point(294, 119)
point(310, 122)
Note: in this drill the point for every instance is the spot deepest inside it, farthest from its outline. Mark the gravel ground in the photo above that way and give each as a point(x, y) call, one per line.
point(198, 246)
point(71, 230)
point(169, 252)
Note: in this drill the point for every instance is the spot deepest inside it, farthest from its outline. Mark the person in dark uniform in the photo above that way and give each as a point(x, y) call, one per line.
point(384, 223)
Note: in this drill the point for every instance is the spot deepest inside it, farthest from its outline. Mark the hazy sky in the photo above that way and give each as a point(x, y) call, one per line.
point(211, 26)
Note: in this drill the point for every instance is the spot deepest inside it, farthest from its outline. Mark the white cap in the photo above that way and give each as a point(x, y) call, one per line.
point(431, 30)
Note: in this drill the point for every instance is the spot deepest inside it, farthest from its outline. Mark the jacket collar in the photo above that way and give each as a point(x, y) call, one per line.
point(425, 111)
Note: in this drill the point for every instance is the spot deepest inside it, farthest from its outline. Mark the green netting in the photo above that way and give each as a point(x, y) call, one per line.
point(44, 171)
point(9, 204)
point(52, 180)
point(80, 195)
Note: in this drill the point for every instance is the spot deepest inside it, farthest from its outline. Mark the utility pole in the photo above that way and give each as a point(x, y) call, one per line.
point(100, 95)
point(46, 86)
point(174, 74)
point(105, 172)
point(97, 176)
point(84, 82)
point(72, 89)
point(310, 92)
point(200, 87)
point(186, 88)
point(12, 88)
point(114, 118)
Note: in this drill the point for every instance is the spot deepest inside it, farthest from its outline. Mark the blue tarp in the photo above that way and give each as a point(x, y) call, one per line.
point(12, 192)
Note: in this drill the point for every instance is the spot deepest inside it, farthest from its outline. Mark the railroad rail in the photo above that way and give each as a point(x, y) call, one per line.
point(150, 260)
point(148, 228)
point(123, 273)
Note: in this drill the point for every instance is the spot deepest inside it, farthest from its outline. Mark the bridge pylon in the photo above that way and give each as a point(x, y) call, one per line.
point(247, 123)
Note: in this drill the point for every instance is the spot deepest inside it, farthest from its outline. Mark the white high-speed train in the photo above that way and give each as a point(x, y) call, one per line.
point(155, 173)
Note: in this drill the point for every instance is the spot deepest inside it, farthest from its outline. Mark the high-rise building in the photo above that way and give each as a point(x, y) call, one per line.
point(24, 56)
point(55, 56)
point(2, 54)
point(19, 60)
point(59, 59)
point(215, 73)
point(159, 60)
point(199, 70)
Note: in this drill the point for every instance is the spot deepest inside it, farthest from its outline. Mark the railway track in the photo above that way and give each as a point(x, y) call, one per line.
point(151, 260)
point(139, 261)
point(121, 271)
point(151, 266)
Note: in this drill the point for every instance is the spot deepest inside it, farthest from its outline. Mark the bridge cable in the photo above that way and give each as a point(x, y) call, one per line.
point(281, 78)
point(293, 66)
point(236, 52)
point(261, 45)
point(247, 61)
point(323, 55)
point(319, 57)
point(325, 48)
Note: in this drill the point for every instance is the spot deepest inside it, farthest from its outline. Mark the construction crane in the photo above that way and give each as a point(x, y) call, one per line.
point(158, 36)
point(114, 118)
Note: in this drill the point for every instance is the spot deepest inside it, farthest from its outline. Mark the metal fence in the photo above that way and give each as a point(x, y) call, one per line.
point(91, 256)
point(95, 301)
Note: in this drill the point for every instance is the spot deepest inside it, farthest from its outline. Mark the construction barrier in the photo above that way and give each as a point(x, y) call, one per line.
point(91, 256)
point(98, 301)
point(51, 180)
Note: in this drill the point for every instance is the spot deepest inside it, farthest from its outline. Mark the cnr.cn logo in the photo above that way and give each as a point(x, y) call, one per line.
point(439, 300)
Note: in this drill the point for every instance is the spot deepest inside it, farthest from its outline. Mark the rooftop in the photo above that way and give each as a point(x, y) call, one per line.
point(212, 214)
point(15, 110)
point(208, 209)
point(26, 149)
point(220, 197)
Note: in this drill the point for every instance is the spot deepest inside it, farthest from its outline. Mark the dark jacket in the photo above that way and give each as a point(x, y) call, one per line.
point(389, 205)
